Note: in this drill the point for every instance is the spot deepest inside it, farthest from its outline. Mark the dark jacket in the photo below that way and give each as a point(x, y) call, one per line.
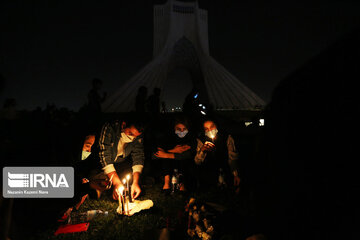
point(108, 143)
point(173, 140)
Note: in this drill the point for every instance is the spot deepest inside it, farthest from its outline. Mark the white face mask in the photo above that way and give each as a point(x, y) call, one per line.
point(181, 134)
point(212, 133)
point(85, 155)
point(126, 138)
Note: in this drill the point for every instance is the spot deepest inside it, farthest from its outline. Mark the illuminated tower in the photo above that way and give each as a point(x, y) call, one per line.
point(181, 41)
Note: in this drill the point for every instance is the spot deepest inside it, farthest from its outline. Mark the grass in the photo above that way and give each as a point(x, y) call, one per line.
point(168, 211)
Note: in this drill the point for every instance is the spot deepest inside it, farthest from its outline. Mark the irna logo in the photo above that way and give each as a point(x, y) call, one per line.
point(23, 180)
point(38, 182)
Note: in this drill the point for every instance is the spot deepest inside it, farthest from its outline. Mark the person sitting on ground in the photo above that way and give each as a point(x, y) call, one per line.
point(121, 151)
point(83, 169)
point(216, 152)
point(177, 152)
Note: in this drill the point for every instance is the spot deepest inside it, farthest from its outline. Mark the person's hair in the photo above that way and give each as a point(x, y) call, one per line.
point(137, 123)
point(183, 120)
point(207, 119)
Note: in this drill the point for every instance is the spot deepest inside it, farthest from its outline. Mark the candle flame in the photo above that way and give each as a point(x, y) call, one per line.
point(128, 177)
point(124, 181)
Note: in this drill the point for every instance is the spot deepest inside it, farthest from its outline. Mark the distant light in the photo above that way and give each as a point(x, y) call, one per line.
point(248, 123)
point(204, 107)
point(261, 122)
point(203, 113)
point(196, 95)
point(200, 105)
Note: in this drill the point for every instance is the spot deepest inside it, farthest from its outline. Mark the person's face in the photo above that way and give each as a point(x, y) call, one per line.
point(180, 127)
point(209, 126)
point(132, 131)
point(89, 141)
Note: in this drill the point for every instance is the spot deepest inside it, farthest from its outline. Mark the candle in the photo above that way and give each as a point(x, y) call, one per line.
point(120, 190)
point(126, 206)
point(123, 201)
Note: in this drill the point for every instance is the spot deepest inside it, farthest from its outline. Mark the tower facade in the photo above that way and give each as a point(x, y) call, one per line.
point(181, 41)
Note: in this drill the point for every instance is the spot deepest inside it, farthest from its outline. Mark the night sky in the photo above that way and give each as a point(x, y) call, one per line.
point(51, 50)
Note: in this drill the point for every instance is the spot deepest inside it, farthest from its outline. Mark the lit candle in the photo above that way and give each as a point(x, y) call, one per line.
point(126, 207)
point(126, 200)
point(120, 190)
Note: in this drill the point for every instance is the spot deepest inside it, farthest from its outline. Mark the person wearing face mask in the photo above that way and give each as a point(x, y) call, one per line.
point(121, 152)
point(216, 150)
point(177, 152)
point(88, 143)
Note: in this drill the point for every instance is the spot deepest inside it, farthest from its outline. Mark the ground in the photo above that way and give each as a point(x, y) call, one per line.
point(168, 211)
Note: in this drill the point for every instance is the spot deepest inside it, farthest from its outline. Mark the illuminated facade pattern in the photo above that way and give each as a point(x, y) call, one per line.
point(181, 40)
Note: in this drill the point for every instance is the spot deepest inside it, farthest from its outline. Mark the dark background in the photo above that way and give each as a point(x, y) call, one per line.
point(51, 50)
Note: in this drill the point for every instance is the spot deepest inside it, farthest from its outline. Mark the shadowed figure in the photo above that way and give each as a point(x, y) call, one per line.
point(94, 97)
point(153, 102)
point(140, 104)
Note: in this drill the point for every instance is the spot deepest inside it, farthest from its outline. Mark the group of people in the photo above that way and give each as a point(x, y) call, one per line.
point(119, 149)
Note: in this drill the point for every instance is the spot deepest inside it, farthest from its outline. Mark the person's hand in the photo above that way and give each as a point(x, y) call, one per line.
point(116, 190)
point(180, 149)
point(161, 153)
point(184, 148)
point(135, 190)
point(208, 147)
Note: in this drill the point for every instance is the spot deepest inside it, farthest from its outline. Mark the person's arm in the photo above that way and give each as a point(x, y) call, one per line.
point(138, 158)
point(233, 159)
point(105, 148)
point(161, 153)
point(179, 149)
point(200, 154)
point(137, 155)
point(188, 152)
point(107, 158)
point(135, 187)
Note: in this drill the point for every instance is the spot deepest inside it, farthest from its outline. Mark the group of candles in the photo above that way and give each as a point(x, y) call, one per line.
point(124, 199)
